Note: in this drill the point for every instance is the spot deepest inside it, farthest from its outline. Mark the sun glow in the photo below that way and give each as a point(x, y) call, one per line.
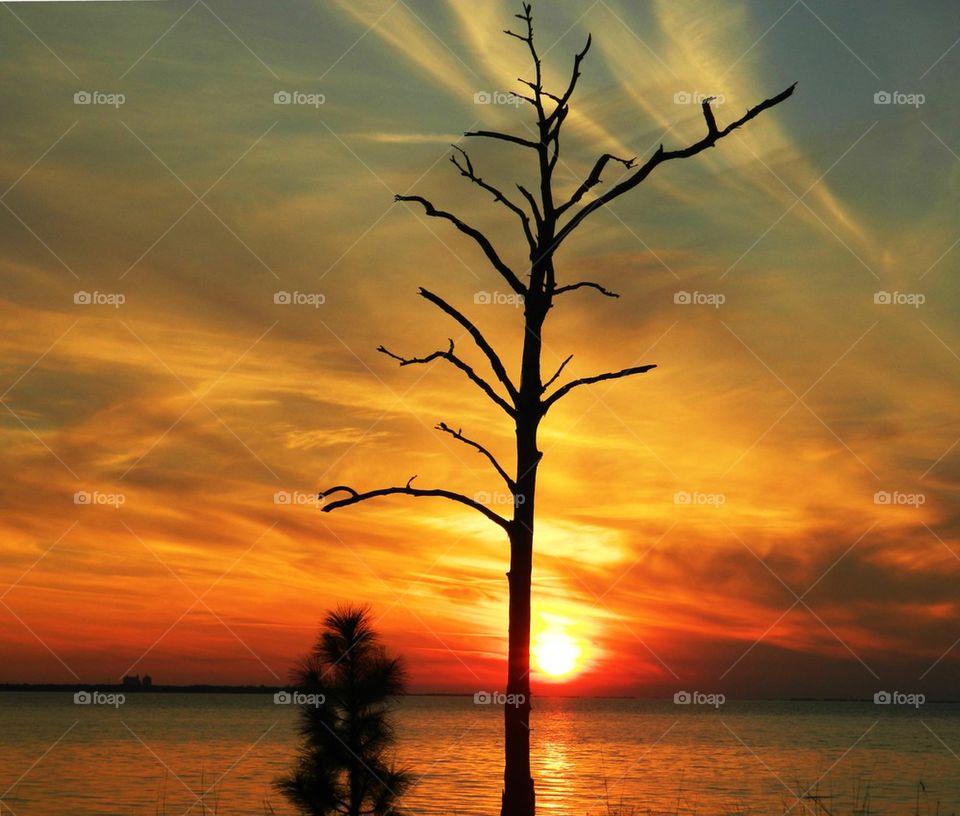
point(556, 653)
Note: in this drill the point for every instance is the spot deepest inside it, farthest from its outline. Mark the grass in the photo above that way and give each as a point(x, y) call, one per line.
point(811, 803)
point(203, 807)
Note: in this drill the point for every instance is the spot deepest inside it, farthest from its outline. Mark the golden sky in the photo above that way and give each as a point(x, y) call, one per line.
point(183, 410)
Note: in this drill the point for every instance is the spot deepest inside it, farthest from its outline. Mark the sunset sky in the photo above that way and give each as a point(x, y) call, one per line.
point(782, 411)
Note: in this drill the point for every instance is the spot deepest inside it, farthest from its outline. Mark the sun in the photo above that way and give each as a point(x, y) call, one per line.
point(556, 653)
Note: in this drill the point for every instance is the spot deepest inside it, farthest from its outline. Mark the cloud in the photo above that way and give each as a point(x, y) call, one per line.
point(296, 398)
point(408, 138)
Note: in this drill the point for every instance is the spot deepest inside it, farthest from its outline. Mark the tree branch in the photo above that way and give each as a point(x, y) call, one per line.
point(614, 375)
point(558, 372)
point(588, 285)
point(532, 202)
point(448, 355)
point(466, 170)
point(554, 135)
point(505, 137)
point(355, 498)
point(482, 241)
point(495, 363)
point(549, 95)
point(529, 99)
point(476, 445)
point(531, 85)
point(660, 156)
point(594, 179)
point(708, 115)
point(575, 76)
point(537, 85)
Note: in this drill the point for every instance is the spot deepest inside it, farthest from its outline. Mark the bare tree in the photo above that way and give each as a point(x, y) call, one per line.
point(546, 222)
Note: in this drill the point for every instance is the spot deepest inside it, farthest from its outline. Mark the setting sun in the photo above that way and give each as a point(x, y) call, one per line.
point(556, 653)
point(501, 370)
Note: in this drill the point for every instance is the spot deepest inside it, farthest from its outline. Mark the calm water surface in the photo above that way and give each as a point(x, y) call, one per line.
point(159, 752)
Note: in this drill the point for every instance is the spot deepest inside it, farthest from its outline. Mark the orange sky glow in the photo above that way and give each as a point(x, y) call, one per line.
point(771, 511)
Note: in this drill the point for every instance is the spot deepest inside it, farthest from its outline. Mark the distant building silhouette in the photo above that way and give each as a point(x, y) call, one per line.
point(135, 683)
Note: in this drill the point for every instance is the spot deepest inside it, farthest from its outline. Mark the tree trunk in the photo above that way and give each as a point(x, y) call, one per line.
point(518, 793)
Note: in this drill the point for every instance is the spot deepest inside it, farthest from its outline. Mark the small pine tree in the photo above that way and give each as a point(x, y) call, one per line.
point(342, 767)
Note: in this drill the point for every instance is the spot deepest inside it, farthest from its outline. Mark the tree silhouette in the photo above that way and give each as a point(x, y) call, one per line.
point(342, 768)
point(546, 222)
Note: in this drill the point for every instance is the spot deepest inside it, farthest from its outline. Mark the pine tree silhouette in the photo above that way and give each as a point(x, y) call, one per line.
point(342, 767)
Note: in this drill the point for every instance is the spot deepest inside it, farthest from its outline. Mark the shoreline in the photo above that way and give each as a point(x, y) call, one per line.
point(206, 688)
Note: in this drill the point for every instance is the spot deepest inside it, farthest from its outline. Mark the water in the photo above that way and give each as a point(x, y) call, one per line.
point(157, 752)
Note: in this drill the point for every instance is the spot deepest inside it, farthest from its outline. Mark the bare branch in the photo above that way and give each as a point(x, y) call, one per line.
point(505, 137)
point(448, 355)
point(555, 135)
point(614, 375)
point(456, 434)
point(708, 115)
point(536, 86)
point(559, 371)
point(586, 285)
point(532, 202)
point(549, 95)
point(482, 241)
point(529, 99)
point(594, 179)
point(531, 85)
point(575, 76)
point(495, 362)
point(660, 156)
point(466, 170)
point(353, 497)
